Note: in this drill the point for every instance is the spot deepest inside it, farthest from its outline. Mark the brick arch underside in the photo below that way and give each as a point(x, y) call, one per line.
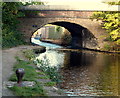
point(93, 27)
point(81, 36)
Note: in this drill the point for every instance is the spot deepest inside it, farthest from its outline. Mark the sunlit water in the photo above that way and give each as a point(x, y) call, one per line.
point(86, 73)
point(44, 44)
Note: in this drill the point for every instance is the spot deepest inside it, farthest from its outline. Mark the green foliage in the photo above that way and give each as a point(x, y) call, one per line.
point(29, 54)
point(107, 47)
point(36, 90)
point(43, 77)
point(10, 14)
point(112, 47)
point(111, 22)
point(10, 35)
point(30, 73)
point(118, 42)
point(40, 73)
point(58, 28)
point(114, 3)
point(50, 84)
point(33, 3)
point(51, 71)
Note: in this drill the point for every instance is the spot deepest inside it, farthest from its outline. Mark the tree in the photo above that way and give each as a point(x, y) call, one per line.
point(111, 22)
point(10, 35)
point(10, 14)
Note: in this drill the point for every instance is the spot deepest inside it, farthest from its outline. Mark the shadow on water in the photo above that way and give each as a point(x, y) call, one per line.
point(86, 73)
point(80, 59)
point(90, 74)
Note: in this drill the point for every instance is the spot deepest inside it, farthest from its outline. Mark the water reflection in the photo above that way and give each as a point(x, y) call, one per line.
point(90, 74)
point(87, 73)
point(44, 44)
point(81, 58)
point(54, 58)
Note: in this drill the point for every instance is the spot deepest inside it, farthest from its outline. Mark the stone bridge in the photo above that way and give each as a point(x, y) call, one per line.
point(85, 32)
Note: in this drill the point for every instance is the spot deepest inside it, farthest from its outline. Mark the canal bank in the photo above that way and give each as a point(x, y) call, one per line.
point(84, 64)
point(8, 61)
point(8, 56)
point(86, 72)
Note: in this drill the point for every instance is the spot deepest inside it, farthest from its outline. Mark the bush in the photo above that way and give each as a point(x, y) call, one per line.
point(10, 35)
point(10, 14)
point(110, 21)
point(29, 54)
point(51, 71)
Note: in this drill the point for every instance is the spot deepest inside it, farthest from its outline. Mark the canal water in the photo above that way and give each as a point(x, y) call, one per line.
point(86, 73)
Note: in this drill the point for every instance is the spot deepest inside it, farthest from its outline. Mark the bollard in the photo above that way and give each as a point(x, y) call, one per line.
point(20, 73)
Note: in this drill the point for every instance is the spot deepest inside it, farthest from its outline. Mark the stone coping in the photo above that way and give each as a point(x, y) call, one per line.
point(9, 84)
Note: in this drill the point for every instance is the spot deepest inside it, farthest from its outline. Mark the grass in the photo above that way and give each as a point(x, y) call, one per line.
point(43, 77)
point(30, 75)
point(30, 72)
point(29, 54)
point(37, 90)
point(50, 84)
point(40, 73)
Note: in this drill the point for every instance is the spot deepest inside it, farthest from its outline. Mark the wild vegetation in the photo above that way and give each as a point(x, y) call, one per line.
point(33, 73)
point(44, 65)
point(111, 22)
point(114, 3)
point(30, 71)
point(51, 71)
point(30, 75)
point(11, 36)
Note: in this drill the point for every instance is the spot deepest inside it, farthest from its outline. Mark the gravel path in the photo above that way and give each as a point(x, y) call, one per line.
point(8, 61)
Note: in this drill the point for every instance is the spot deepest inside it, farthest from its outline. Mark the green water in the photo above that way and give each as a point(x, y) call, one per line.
point(86, 73)
point(91, 74)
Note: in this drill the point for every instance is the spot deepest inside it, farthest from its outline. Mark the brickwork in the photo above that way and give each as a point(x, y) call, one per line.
point(62, 14)
point(31, 24)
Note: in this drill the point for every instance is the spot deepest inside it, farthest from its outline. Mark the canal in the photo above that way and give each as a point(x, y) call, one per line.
point(85, 73)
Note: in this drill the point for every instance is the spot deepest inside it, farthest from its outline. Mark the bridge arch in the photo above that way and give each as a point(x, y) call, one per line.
point(81, 36)
point(92, 28)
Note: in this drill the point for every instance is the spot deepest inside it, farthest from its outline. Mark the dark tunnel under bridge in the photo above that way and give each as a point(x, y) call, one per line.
point(81, 36)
